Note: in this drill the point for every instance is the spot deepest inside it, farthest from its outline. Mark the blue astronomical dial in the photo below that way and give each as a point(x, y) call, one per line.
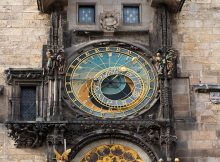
point(111, 82)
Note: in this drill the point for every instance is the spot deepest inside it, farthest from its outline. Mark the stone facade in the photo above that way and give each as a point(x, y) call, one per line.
point(196, 36)
point(23, 32)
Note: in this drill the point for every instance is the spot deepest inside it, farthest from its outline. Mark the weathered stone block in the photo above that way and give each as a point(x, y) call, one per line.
point(208, 119)
point(204, 135)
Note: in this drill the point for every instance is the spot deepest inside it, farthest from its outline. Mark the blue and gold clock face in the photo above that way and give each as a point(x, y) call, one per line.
point(111, 82)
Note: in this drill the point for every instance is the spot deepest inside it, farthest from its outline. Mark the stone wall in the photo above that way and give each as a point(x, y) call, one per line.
point(23, 31)
point(197, 37)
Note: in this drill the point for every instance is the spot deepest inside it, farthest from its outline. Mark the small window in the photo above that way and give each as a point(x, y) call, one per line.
point(131, 14)
point(28, 104)
point(86, 14)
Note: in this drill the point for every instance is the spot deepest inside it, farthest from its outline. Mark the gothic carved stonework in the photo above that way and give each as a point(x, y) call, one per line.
point(1, 89)
point(165, 62)
point(114, 134)
point(114, 152)
point(172, 5)
point(28, 135)
point(48, 5)
point(23, 74)
point(55, 61)
point(109, 21)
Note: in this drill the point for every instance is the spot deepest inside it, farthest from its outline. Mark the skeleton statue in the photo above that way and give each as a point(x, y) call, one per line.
point(63, 157)
point(171, 58)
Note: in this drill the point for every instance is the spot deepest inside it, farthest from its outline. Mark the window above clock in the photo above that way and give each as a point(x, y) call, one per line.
point(86, 14)
point(131, 14)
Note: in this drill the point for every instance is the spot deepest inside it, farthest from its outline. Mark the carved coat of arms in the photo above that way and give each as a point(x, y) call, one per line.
point(109, 21)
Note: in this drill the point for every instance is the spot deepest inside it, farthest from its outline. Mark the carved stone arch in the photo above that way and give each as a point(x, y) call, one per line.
point(152, 151)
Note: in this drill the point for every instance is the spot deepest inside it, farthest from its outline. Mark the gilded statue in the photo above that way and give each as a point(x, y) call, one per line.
point(167, 61)
point(63, 157)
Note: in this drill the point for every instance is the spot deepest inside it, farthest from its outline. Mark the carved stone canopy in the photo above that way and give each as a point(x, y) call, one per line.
point(49, 5)
point(172, 5)
point(23, 74)
point(109, 21)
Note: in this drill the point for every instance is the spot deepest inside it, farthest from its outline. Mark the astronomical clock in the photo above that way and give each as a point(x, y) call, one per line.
point(111, 82)
point(99, 97)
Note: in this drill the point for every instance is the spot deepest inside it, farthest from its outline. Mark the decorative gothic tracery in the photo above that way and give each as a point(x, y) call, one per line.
point(116, 152)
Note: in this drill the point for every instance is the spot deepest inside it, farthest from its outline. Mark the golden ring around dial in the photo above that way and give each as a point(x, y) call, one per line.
point(97, 83)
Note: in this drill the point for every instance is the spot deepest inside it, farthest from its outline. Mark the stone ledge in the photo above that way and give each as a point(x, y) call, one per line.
point(206, 87)
point(23, 74)
point(173, 5)
point(47, 5)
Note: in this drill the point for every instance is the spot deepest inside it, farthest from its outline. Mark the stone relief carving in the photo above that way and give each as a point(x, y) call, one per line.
point(215, 97)
point(55, 60)
point(23, 74)
point(109, 21)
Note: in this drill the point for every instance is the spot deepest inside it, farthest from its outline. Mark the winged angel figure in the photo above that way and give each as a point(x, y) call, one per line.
point(63, 157)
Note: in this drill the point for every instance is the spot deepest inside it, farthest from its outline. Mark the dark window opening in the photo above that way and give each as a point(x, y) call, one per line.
point(28, 104)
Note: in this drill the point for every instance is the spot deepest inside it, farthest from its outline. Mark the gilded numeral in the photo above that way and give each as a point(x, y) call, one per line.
point(135, 94)
point(72, 66)
point(67, 83)
point(97, 50)
point(118, 49)
point(74, 82)
point(81, 106)
point(107, 48)
point(68, 74)
point(75, 75)
point(86, 53)
point(129, 52)
point(124, 102)
point(74, 100)
point(134, 60)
